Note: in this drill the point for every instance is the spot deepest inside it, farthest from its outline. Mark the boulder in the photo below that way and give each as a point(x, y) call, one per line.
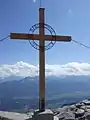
point(72, 107)
point(69, 116)
point(78, 105)
point(60, 116)
point(87, 115)
point(86, 102)
point(79, 113)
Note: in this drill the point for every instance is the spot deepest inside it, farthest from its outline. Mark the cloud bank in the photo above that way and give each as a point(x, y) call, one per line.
point(24, 69)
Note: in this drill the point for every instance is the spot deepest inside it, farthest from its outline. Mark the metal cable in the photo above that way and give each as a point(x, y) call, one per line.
point(82, 44)
point(1, 40)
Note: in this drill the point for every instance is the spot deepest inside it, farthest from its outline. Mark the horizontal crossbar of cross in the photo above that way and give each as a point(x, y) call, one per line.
point(37, 37)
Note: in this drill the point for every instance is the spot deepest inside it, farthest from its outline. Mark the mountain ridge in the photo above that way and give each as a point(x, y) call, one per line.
point(64, 77)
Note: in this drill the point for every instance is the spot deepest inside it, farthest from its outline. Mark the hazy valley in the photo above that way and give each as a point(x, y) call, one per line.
point(17, 95)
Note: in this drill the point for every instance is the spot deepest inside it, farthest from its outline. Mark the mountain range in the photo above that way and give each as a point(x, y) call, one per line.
point(17, 92)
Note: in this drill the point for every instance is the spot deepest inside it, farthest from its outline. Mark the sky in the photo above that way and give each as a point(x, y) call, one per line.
point(67, 17)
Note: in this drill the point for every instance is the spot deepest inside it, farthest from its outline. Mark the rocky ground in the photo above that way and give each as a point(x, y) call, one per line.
point(79, 111)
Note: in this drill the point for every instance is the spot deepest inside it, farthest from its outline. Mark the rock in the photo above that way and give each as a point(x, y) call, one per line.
point(88, 110)
point(87, 115)
point(56, 118)
point(86, 102)
point(69, 116)
point(72, 107)
point(79, 113)
point(60, 110)
point(61, 116)
point(83, 107)
point(82, 118)
point(78, 105)
point(66, 116)
point(87, 106)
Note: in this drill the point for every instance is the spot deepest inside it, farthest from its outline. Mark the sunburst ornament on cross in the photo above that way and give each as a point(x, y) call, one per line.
point(41, 37)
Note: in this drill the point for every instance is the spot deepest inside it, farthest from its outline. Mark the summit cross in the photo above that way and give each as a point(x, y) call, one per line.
point(42, 38)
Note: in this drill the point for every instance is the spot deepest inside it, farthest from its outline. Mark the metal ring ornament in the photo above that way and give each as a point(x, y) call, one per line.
point(52, 32)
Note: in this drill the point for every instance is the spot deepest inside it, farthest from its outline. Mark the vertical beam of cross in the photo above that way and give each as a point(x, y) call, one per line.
point(41, 61)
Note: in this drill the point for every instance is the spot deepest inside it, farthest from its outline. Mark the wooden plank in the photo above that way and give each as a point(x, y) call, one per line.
point(58, 38)
point(23, 36)
point(41, 62)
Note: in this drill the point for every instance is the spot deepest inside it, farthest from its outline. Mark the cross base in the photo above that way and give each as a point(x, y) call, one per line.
point(46, 115)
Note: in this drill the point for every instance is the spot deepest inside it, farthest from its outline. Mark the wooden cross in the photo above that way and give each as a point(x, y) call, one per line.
point(41, 37)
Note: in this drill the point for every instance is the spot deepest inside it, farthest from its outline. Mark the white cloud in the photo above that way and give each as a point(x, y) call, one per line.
point(25, 69)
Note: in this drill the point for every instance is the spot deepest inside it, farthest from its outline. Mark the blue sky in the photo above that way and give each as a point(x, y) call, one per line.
point(67, 17)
